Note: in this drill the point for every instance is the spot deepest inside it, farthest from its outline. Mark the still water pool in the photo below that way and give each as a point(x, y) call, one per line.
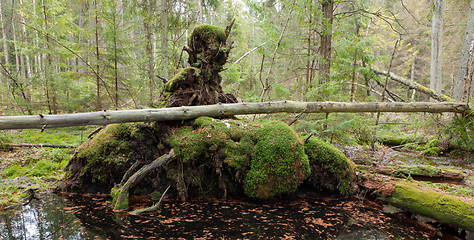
point(90, 217)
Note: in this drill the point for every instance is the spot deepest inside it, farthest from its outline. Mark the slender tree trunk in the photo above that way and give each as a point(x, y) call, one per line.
point(462, 73)
point(436, 46)
point(164, 38)
point(327, 8)
point(25, 37)
point(308, 55)
point(199, 11)
point(148, 27)
point(97, 55)
point(50, 88)
point(5, 51)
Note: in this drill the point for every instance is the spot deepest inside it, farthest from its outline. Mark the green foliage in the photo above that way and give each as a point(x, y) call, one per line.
point(4, 141)
point(460, 133)
point(330, 168)
point(337, 128)
point(42, 168)
point(269, 154)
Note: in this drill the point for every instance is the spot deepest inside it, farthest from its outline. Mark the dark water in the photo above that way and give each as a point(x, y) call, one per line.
point(89, 217)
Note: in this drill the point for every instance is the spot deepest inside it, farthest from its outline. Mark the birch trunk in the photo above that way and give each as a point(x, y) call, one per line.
point(436, 46)
point(462, 72)
point(219, 110)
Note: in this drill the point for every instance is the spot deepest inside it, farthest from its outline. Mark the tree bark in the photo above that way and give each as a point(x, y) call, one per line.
point(466, 51)
point(416, 86)
point(147, 25)
point(327, 8)
point(164, 39)
point(50, 88)
point(97, 55)
point(219, 110)
point(436, 46)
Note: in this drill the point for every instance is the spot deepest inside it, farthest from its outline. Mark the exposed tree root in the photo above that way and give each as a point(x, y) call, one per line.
point(122, 193)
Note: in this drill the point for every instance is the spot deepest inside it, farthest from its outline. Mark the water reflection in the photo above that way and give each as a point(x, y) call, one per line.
point(49, 218)
point(89, 217)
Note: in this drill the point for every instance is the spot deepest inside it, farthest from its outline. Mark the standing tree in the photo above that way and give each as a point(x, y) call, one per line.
point(436, 46)
point(466, 54)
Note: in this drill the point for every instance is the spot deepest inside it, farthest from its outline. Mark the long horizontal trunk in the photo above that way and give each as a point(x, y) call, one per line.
point(219, 110)
point(414, 85)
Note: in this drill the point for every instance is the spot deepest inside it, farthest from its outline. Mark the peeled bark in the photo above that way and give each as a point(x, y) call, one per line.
point(414, 85)
point(219, 110)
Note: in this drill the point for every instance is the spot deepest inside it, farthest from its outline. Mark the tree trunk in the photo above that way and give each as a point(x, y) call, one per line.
point(199, 8)
point(164, 39)
point(50, 88)
point(327, 8)
point(416, 86)
point(436, 46)
point(466, 51)
point(219, 110)
point(148, 27)
point(97, 55)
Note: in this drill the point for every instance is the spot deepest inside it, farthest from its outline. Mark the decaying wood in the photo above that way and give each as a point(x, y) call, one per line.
point(414, 85)
point(121, 202)
point(152, 208)
point(40, 145)
point(219, 110)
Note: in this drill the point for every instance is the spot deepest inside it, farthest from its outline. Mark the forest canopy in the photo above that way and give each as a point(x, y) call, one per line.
point(74, 56)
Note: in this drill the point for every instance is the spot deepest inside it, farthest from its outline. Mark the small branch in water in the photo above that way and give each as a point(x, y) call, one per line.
point(152, 208)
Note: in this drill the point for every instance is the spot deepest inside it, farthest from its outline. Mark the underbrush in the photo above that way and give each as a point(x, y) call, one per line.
point(39, 169)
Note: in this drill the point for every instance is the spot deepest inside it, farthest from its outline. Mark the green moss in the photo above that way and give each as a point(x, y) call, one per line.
point(330, 167)
point(173, 84)
point(443, 207)
point(111, 146)
point(208, 33)
point(433, 151)
point(270, 155)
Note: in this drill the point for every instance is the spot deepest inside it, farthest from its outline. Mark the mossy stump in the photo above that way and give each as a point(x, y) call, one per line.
point(200, 84)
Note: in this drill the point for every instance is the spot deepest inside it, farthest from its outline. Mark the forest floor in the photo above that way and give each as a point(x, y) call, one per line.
point(24, 171)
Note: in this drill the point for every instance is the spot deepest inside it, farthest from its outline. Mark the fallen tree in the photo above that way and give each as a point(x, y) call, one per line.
point(220, 110)
point(414, 85)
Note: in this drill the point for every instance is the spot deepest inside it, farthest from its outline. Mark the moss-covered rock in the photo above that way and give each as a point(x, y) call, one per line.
point(330, 168)
point(424, 200)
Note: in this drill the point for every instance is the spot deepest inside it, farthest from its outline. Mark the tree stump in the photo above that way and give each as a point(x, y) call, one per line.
point(200, 84)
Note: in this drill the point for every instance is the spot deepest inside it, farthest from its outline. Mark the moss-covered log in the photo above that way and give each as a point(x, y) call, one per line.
point(426, 171)
point(423, 200)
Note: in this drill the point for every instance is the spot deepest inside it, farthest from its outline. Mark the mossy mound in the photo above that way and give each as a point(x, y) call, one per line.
point(267, 157)
point(330, 168)
point(214, 156)
point(424, 200)
point(100, 162)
